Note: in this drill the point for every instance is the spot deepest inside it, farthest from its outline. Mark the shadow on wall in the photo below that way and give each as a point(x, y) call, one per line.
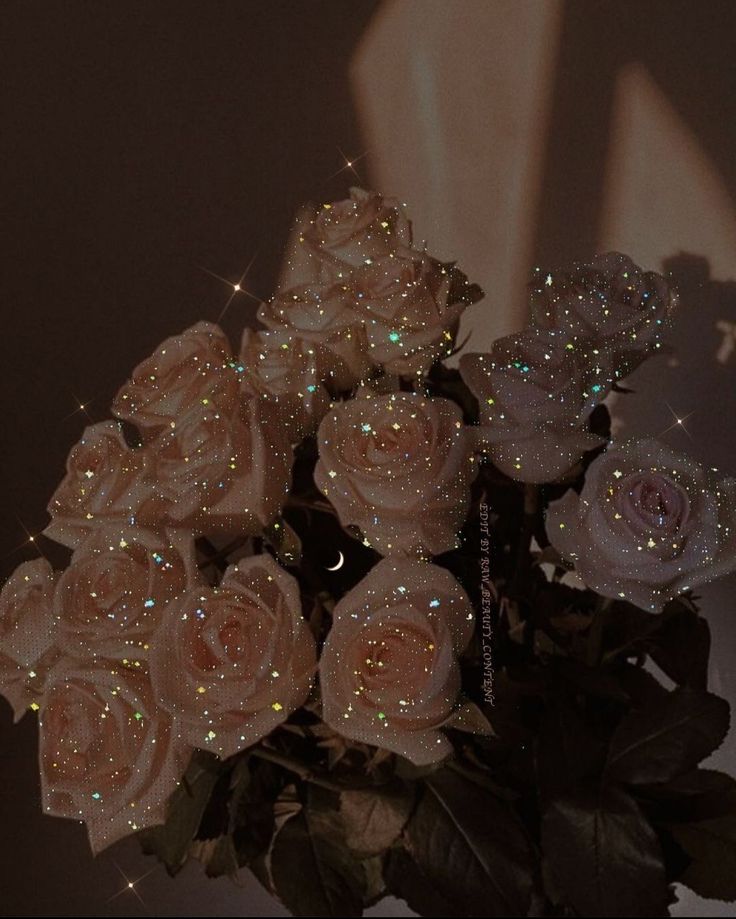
point(686, 48)
point(554, 130)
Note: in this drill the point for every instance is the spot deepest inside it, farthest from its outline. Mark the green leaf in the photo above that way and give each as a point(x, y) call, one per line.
point(604, 856)
point(470, 847)
point(373, 818)
point(170, 842)
point(712, 846)
point(668, 737)
point(313, 871)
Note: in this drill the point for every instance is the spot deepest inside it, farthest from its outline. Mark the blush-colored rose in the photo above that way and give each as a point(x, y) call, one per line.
point(648, 524)
point(105, 480)
point(27, 634)
point(287, 370)
point(324, 316)
point(609, 302)
point(334, 237)
point(185, 371)
point(535, 395)
point(232, 663)
point(107, 755)
point(389, 674)
point(399, 467)
point(224, 471)
point(404, 304)
point(112, 596)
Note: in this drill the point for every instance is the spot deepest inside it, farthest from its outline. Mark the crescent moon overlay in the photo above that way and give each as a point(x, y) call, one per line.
point(339, 564)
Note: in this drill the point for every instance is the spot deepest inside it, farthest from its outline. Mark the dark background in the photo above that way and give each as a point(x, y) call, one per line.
point(139, 141)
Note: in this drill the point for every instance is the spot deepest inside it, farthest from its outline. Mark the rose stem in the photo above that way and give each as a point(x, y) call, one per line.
point(531, 506)
point(297, 768)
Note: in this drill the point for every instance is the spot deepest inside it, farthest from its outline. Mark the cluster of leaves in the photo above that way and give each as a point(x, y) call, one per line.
point(588, 799)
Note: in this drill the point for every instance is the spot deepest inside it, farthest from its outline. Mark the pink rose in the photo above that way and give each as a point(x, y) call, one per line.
point(404, 304)
point(334, 237)
point(534, 398)
point(609, 302)
point(193, 369)
point(232, 663)
point(286, 370)
point(324, 316)
point(399, 467)
point(648, 524)
point(112, 596)
point(107, 755)
point(389, 673)
point(104, 481)
point(222, 471)
point(27, 634)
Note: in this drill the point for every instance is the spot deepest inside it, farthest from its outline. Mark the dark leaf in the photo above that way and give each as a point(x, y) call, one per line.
point(681, 647)
point(592, 681)
point(677, 640)
point(171, 841)
point(405, 879)
point(461, 289)
point(374, 817)
point(604, 856)
point(668, 737)
point(256, 785)
point(697, 795)
point(447, 382)
point(599, 421)
point(712, 846)
point(472, 846)
point(568, 750)
point(285, 541)
point(218, 856)
point(313, 871)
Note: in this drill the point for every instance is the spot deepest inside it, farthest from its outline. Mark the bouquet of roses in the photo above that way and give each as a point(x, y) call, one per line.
point(367, 624)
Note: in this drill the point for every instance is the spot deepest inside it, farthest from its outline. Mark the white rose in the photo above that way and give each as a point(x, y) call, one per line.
point(286, 369)
point(334, 237)
point(389, 673)
point(610, 302)
point(225, 471)
point(105, 480)
point(107, 755)
point(188, 370)
point(323, 315)
point(534, 397)
point(399, 467)
point(112, 596)
point(232, 663)
point(648, 524)
point(404, 305)
point(27, 634)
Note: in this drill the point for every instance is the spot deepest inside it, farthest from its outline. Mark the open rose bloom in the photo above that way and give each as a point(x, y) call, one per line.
point(327, 595)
